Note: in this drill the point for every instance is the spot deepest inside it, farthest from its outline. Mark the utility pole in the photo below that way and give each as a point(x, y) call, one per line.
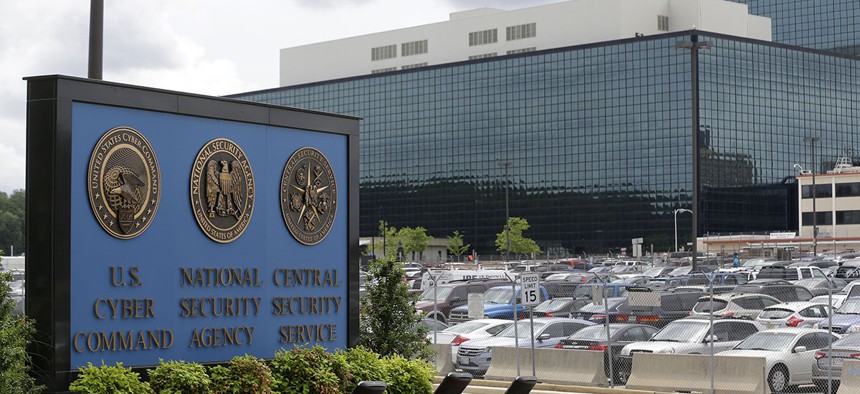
point(811, 141)
point(96, 39)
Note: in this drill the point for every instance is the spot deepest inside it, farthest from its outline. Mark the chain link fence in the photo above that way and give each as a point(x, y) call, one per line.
point(701, 332)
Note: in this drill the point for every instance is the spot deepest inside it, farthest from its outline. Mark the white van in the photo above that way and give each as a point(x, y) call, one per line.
point(445, 276)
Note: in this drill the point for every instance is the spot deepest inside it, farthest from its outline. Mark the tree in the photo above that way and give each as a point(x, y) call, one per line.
point(386, 241)
point(518, 243)
point(413, 240)
point(16, 332)
point(12, 220)
point(455, 245)
point(388, 323)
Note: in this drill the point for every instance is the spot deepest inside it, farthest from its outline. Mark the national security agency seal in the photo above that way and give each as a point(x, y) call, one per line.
point(123, 182)
point(308, 196)
point(222, 190)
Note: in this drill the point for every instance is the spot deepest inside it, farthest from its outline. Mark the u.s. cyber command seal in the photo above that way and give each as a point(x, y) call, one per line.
point(123, 182)
point(222, 190)
point(308, 196)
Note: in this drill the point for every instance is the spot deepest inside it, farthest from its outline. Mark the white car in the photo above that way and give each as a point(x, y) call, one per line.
point(793, 314)
point(474, 329)
point(838, 299)
point(789, 354)
point(689, 336)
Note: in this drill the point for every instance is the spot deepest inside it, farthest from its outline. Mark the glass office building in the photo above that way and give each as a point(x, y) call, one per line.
point(823, 24)
point(598, 138)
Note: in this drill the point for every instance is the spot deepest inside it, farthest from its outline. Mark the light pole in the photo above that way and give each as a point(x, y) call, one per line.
point(811, 141)
point(694, 45)
point(506, 165)
point(676, 224)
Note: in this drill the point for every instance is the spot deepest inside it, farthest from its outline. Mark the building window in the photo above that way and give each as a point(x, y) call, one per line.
point(513, 51)
point(822, 218)
point(821, 191)
point(662, 23)
point(847, 217)
point(408, 66)
point(521, 31)
point(848, 189)
point(413, 48)
point(381, 53)
point(483, 37)
point(483, 56)
point(384, 70)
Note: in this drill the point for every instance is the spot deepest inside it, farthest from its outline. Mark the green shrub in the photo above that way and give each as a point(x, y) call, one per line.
point(363, 364)
point(16, 332)
point(306, 371)
point(179, 377)
point(108, 379)
point(408, 376)
point(243, 375)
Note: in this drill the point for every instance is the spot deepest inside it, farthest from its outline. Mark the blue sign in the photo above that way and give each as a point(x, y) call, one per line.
point(175, 292)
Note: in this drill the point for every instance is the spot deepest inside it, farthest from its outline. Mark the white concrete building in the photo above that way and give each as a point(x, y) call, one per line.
point(488, 32)
point(836, 202)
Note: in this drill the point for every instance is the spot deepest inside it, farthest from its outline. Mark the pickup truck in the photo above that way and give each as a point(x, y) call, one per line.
point(497, 304)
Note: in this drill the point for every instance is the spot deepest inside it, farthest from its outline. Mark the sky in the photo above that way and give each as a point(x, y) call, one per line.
point(212, 47)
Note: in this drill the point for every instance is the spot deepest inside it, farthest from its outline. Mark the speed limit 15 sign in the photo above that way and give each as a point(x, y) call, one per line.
point(530, 295)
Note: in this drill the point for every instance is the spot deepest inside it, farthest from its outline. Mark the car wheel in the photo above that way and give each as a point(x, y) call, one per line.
point(777, 379)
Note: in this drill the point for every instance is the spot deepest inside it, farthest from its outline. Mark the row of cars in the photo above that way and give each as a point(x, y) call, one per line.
point(794, 318)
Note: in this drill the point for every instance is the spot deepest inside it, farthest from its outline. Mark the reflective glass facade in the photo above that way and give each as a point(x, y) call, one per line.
point(598, 137)
point(821, 24)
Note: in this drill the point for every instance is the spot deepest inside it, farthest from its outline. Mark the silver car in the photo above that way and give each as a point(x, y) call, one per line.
point(792, 314)
point(474, 356)
point(689, 336)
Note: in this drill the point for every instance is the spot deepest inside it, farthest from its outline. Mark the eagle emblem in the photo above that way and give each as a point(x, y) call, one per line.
point(222, 190)
point(124, 182)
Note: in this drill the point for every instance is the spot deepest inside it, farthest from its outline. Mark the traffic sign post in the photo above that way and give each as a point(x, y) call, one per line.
point(530, 296)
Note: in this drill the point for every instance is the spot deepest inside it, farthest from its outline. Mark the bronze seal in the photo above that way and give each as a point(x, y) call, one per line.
point(124, 182)
point(308, 196)
point(222, 190)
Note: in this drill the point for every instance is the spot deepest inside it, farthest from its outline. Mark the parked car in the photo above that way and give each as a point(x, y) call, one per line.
point(449, 296)
point(475, 329)
point(789, 273)
point(789, 354)
point(818, 286)
point(777, 288)
point(846, 319)
point(474, 356)
point(720, 279)
point(497, 304)
point(666, 283)
point(609, 290)
point(688, 336)
point(703, 289)
point(838, 299)
point(596, 313)
point(673, 306)
point(846, 348)
point(620, 335)
point(793, 314)
point(559, 307)
point(737, 305)
point(656, 272)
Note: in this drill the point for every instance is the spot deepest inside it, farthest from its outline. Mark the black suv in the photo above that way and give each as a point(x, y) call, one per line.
point(779, 289)
point(673, 306)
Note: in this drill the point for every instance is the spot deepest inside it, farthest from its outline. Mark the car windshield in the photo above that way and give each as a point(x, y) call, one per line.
point(585, 291)
point(599, 308)
point(771, 341)
point(466, 327)
point(710, 305)
point(498, 295)
point(653, 271)
point(681, 271)
point(810, 282)
point(679, 331)
point(554, 303)
point(522, 328)
point(599, 269)
point(440, 292)
point(775, 313)
point(851, 306)
point(593, 333)
point(560, 276)
point(621, 269)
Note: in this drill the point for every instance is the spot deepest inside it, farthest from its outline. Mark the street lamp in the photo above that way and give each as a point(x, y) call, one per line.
point(811, 141)
point(676, 224)
point(694, 45)
point(506, 165)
